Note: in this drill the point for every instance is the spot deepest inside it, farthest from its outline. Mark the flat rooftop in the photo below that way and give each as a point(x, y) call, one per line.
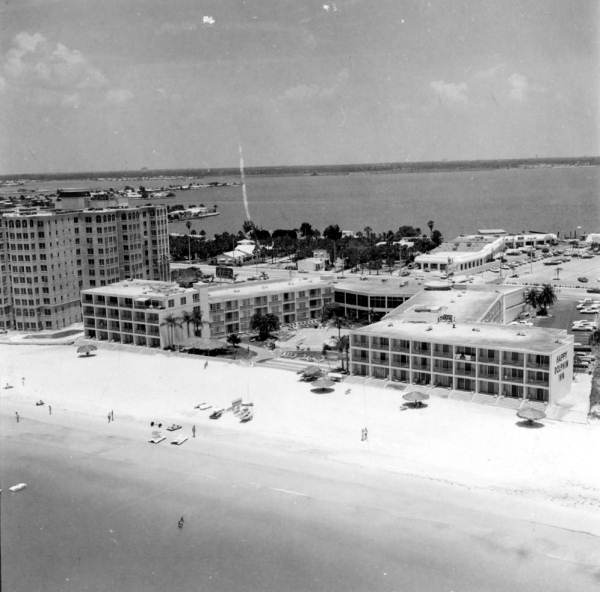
point(379, 284)
point(535, 339)
point(140, 288)
point(465, 305)
point(258, 288)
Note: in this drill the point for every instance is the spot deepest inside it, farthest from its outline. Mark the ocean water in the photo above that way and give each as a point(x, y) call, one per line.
point(551, 199)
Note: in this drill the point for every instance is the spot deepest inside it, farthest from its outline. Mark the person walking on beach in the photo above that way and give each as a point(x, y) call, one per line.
point(193, 431)
point(180, 523)
point(17, 416)
point(108, 416)
point(206, 364)
point(49, 409)
point(366, 434)
point(112, 415)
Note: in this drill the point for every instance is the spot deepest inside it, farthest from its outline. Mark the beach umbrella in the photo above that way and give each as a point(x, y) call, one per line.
point(530, 414)
point(86, 349)
point(415, 397)
point(322, 384)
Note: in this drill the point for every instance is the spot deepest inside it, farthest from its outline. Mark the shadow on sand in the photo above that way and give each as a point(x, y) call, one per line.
point(528, 423)
point(417, 405)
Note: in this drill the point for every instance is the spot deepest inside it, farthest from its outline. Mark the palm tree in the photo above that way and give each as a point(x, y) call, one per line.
point(531, 297)
point(233, 339)
point(186, 317)
point(343, 347)
point(196, 319)
point(171, 322)
point(595, 337)
point(546, 298)
point(264, 324)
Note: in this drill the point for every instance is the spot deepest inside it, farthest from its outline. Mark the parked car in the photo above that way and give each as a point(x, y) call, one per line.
point(582, 279)
point(173, 427)
point(157, 439)
point(216, 414)
point(593, 290)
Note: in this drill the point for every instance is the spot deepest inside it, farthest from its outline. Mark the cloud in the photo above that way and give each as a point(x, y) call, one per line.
point(118, 96)
point(451, 91)
point(35, 62)
point(519, 87)
point(312, 92)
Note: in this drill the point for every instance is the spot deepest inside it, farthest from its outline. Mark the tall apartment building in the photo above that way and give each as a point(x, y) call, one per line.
point(49, 256)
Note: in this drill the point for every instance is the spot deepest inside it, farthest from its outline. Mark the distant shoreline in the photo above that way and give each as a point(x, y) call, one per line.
point(319, 170)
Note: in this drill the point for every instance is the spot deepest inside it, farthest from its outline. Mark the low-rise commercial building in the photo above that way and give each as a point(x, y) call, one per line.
point(465, 254)
point(368, 298)
point(520, 362)
point(231, 308)
point(140, 312)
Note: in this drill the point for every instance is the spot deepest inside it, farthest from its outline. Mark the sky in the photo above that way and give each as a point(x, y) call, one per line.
point(126, 84)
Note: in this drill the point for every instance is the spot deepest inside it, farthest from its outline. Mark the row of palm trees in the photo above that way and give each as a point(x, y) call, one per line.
point(541, 298)
point(263, 324)
point(188, 318)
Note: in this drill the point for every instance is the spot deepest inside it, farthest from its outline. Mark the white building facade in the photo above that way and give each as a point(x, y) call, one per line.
point(493, 360)
point(137, 312)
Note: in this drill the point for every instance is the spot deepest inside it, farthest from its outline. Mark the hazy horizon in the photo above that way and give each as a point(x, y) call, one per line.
point(326, 166)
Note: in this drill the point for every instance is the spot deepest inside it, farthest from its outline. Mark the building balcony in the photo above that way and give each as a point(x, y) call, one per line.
point(538, 381)
point(489, 375)
point(361, 359)
point(536, 366)
point(401, 348)
point(465, 372)
point(464, 357)
point(438, 353)
point(512, 378)
point(488, 359)
point(518, 363)
point(380, 361)
point(381, 345)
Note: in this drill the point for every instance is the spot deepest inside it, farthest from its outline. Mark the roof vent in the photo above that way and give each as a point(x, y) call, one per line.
point(475, 329)
point(521, 334)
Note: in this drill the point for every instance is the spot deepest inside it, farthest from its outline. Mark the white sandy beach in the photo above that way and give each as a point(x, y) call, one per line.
point(465, 443)
point(463, 482)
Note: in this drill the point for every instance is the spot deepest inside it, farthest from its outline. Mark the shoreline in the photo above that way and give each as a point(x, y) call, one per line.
point(314, 170)
point(410, 443)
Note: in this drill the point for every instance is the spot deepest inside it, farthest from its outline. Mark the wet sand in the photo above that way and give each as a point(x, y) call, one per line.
point(101, 509)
